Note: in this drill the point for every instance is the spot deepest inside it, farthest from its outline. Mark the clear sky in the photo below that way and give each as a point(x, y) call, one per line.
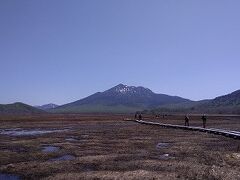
point(63, 50)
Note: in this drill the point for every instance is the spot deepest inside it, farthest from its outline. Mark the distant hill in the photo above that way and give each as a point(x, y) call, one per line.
point(129, 99)
point(229, 103)
point(47, 106)
point(18, 109)
point(232, 99)
point(120, 99)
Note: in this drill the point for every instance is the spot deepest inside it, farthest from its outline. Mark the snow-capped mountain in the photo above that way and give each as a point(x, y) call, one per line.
point(47, 106)
point(121, 98)
point(122, 89)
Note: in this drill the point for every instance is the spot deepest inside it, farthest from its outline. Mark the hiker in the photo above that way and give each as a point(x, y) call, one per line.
point(204, 119)
point(140, 116)
point(136, 115)
point(186, 120)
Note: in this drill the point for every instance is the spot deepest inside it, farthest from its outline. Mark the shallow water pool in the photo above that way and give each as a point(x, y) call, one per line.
point(63, 158)
point(4, 176)
point(50, 149)
point(28, 132)
point(162, 145)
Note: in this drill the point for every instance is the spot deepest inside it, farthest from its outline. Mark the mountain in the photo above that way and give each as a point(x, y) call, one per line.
point(47, 106)
point(229, 104)
point(18, 109)
point(120, 99)
point(232, 99)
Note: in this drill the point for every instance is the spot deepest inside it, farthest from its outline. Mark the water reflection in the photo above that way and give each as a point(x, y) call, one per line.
point(50, 149)
point(63, 158)
point(28, 132)
point(8, 177)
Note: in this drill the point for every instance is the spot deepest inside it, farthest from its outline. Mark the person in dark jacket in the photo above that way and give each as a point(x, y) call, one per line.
point(204, 119)
point(140, 116)
point(136, 115)
point(186, 120)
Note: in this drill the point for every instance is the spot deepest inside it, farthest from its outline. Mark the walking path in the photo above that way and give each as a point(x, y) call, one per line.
point(227, 133)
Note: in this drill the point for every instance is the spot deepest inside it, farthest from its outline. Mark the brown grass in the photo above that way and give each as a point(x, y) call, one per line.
point(110, 148)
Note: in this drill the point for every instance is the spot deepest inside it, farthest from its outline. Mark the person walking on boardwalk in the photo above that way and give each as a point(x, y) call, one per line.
point(187, 120)
point(204, 119)
point(136, 115)
point(140, 116)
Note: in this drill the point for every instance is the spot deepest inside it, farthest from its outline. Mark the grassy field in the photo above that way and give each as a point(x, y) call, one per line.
point(107, 147)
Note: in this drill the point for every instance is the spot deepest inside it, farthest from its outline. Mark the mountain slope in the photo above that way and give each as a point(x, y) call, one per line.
point(120, 98)
point(232, 99)
point(229, 103)
point(18, 109)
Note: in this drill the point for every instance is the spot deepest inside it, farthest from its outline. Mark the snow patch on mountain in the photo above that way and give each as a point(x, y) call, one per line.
point(125, 89)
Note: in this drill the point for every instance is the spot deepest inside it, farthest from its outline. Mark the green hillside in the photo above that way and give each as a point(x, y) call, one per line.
point(18, 109)
point(227, 104)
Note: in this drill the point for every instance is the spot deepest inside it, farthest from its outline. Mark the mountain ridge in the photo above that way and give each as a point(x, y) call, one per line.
point(19, 108)
point(129, 99)
point(126, 97)
point(229, 103)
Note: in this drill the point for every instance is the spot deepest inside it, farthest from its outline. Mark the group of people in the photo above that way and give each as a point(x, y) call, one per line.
point(187, 119)
point(138, 116)
point(204, 119)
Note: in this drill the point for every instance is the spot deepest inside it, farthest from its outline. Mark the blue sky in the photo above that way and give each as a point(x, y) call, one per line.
point(61, 51)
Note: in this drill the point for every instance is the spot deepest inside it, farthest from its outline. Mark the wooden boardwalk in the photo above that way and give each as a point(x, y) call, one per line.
point(227, 133)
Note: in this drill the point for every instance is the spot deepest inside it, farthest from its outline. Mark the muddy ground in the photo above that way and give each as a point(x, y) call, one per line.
point(107, 147)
